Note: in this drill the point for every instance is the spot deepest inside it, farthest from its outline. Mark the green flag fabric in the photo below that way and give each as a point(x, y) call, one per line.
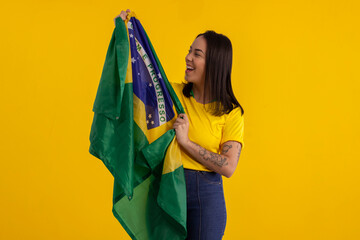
point(131, 133)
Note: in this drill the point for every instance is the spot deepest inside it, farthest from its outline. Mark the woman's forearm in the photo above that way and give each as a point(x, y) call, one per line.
point(215, 162)
point(224, 163)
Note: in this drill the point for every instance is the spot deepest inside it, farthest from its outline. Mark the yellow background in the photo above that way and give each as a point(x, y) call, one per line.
point(296, 73)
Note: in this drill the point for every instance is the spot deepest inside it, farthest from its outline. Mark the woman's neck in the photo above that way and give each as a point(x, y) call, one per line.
point(198, 92)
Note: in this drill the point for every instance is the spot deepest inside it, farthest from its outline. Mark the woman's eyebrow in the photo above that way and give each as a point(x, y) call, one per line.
point(196, 49)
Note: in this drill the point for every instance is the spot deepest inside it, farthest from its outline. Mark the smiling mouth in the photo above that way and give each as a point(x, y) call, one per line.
point(189, 69)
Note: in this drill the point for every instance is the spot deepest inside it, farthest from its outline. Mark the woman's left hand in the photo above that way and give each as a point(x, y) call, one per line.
point(181, 127)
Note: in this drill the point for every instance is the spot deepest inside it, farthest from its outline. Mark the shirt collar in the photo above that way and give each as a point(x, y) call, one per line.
point(192, 93)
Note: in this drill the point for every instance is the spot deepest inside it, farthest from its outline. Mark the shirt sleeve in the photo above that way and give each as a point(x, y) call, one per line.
point(234, 127)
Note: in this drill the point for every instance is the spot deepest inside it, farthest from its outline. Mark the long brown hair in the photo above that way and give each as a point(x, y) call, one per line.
point(218, 63)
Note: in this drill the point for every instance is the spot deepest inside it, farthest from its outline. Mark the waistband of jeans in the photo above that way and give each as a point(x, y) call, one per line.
point(193, 170)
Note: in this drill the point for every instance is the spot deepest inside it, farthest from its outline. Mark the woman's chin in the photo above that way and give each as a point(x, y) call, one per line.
point(189, 79)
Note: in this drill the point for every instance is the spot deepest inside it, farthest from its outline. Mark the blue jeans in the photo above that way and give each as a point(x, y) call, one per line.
point(206, 210)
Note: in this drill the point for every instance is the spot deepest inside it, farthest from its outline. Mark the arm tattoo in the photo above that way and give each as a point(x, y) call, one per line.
point(216, 159)
point(226, 148)
point(238, 156)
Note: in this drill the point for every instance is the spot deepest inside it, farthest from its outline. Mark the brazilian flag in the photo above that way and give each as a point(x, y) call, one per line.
point(132, 135)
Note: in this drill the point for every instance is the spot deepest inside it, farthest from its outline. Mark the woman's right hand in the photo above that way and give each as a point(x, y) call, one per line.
point(123, 15)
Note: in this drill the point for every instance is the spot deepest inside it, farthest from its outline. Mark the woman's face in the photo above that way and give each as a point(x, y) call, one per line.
point(195, 62)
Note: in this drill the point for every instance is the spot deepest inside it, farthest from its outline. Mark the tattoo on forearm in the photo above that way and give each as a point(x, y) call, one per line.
point(226, 148)
point(212, 157)
point(239, 147)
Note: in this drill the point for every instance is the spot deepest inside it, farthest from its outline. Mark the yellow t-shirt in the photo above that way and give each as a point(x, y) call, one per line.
point(207, 130)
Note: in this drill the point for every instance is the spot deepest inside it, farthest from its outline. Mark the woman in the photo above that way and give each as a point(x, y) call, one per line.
point(210, 133)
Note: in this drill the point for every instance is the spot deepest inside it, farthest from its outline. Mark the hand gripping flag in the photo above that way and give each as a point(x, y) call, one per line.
point(132, 134)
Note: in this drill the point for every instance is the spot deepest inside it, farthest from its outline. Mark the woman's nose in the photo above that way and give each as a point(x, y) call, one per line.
point(188, 57)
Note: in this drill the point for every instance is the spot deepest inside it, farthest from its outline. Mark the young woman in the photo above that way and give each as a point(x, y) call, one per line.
point(210, 133)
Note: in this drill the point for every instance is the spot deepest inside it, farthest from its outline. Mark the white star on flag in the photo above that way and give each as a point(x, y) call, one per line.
point(133, 60)
point(152, 122)
point(150, 116)
point(131, 35)
point(129, 25)
point(147, 121)
point(159, 75)
point(150, 85)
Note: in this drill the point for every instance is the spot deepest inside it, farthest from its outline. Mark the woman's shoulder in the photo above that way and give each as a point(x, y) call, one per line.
point(177, 86)
point(235, 114)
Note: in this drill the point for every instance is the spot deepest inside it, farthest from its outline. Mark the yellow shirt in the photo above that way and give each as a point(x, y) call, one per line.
point(207, 130)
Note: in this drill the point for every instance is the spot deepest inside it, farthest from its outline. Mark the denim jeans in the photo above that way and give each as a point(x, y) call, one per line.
point(206, 210)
